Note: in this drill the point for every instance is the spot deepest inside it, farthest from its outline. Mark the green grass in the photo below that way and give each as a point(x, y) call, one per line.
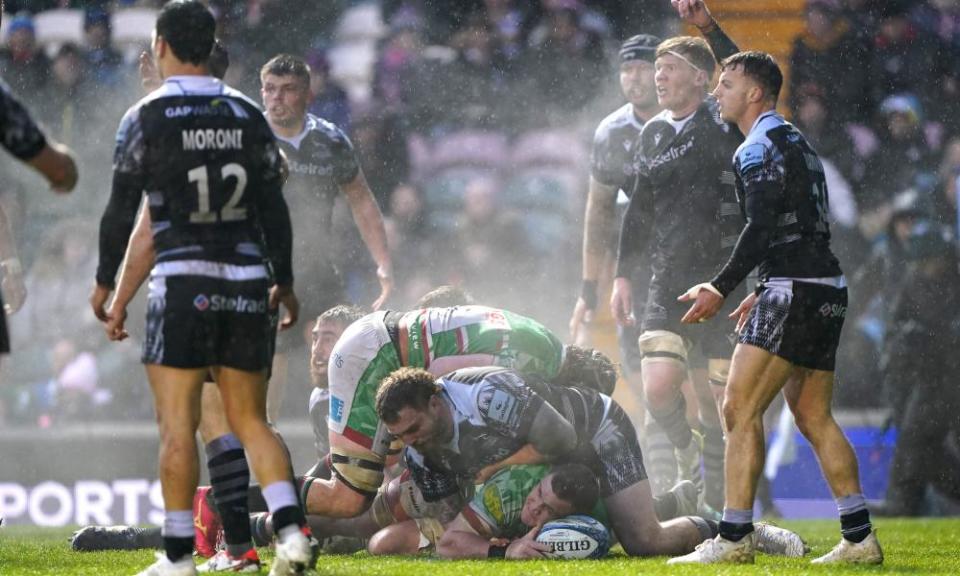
point(911, 547)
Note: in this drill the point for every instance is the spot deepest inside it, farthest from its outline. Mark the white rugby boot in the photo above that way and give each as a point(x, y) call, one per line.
point(294, 555)
point(779, 541)
point(164, 567)
point(847, 552)
point(720, 550)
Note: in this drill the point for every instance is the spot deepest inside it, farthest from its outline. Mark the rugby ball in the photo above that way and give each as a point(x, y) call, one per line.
point(575, 537)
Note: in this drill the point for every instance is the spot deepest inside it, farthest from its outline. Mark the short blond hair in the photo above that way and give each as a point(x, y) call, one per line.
point(696, 50)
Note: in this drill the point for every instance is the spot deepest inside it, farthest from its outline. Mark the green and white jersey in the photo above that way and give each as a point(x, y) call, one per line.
point(513, 341)
point(437, 339)
point(499, 501)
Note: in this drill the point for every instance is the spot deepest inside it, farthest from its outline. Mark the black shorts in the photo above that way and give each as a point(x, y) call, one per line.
point(199, 321)
point(799, 322)
point(619, 451)
point(713, 339)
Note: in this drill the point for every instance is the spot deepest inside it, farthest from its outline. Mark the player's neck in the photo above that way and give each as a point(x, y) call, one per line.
point(291, 131)
point(175, 68)
point(749, 118)
point(646, 113)
point(686, 109)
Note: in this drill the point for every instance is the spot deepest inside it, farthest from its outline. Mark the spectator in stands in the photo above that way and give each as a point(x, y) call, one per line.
point(564, 70)
point(104, 62)
point(25, 66)
point(906, 60)
point(69, 98)
point(948, 183)
point(817, 118)
point(491, 248)
point(903, 161)
point(506, 24)
point(412, 243)
point(399, 57)
point(829, 58)
point(330, 102)
point(941, 18)
point(920, 364)
point(470, 91)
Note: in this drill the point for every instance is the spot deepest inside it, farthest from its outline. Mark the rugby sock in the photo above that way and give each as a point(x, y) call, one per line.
point(256, 503)
point(673, 419)
point(736, 524)
point(230, 479)
point(713, 447)
point(178, 534)
point(282, 501)
point(261, 528)
point(659, 457)
point(854, 517)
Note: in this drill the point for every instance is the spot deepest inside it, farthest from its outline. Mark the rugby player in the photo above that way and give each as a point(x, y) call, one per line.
point(478, 419)
point(683, 214)
point(210, 273)
point(439, 340)
point(789, 328)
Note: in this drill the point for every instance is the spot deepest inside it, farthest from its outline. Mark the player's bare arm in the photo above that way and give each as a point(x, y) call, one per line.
point(462, 540)
point(597, 245)
point(369, 221)
point(56, 163)
point(526, 455)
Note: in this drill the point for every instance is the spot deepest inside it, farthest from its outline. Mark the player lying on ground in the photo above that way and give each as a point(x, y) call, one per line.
point(489, 418)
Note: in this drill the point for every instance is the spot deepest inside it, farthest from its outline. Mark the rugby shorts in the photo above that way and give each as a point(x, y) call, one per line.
point(620, 456)
point(200, 321)
point(798, 320)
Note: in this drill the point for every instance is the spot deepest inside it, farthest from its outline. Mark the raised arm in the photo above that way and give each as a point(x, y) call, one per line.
point(696, 13)
point(369, 221)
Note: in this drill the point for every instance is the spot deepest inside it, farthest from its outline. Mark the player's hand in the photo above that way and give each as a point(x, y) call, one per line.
point(149, 75)
point(621, 302)
point(98, 301)
point(707, 301)
point(581, 318)
point(386, 287)
point(693, 12)
point(284, 295)
point(14, 290)
point(528, 547)
point(743, 311)
point(115, 319)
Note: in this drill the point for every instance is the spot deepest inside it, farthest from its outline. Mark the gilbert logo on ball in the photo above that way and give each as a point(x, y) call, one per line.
point(575, 537)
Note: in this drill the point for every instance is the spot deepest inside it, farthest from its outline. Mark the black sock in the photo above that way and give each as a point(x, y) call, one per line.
point(287, 516)
point(673, 420)
point(856, 525)
point(230, 479)
point(735, 531)
point(178, 548)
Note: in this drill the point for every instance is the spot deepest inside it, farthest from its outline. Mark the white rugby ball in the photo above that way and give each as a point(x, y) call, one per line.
point(575, 537)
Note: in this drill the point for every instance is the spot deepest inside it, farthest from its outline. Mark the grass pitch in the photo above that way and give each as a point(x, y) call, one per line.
point(910, 546)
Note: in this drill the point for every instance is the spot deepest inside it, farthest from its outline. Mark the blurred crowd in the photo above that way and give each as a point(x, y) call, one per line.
point(473, 120)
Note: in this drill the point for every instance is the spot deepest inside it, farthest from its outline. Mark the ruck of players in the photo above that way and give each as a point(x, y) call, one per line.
point(396, 277)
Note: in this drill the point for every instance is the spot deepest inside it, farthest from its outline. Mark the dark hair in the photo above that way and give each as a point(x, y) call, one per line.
point(445, 296)
point(576, 485)
point(219, 60)
point(345, 314)
point(287, 65)
point(188, 27)
point(759, 67)
point(587, 368)
point(405, 388)
point(696, 50)
point(69, 49)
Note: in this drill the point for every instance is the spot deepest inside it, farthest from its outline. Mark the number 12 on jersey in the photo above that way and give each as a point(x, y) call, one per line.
point(231, 211)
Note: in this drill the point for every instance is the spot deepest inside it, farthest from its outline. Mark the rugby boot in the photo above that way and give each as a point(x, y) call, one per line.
point(847, 552)
point(94, 538)
point(720, 550)
point(294, 554)
point(779, 541)
point(687, 497)
point(222, 561)
point(164, 567)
